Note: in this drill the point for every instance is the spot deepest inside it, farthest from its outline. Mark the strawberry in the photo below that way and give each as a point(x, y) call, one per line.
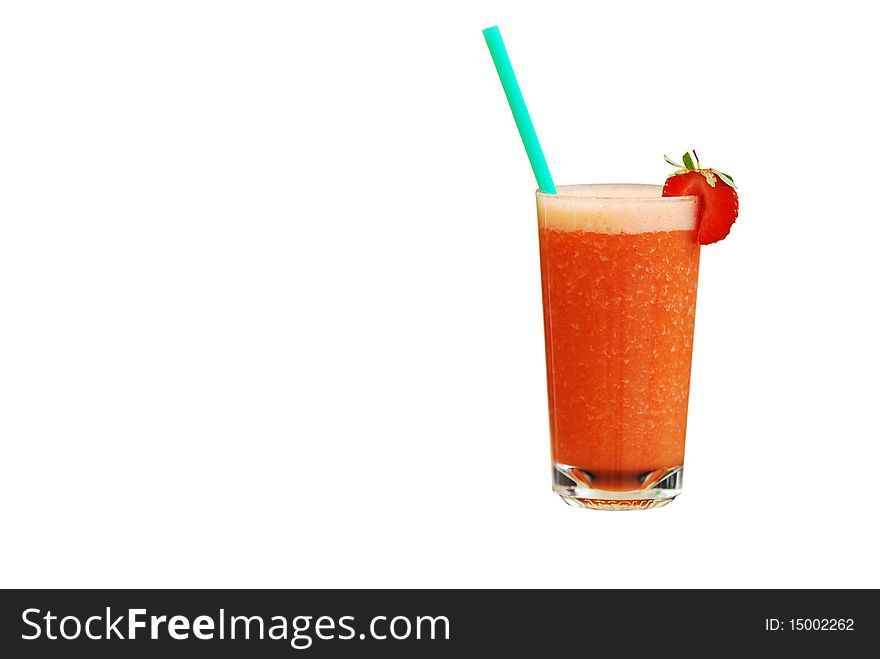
point(718, 201)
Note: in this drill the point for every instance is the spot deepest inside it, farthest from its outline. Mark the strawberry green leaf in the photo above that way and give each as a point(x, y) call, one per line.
point(711, 179)
point(688, 162)
point(671, 162)
point(727, 178)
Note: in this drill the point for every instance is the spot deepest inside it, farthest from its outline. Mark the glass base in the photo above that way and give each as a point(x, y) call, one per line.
point(582, 488)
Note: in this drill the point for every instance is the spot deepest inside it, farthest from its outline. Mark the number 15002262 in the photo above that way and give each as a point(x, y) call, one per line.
point(810, 624)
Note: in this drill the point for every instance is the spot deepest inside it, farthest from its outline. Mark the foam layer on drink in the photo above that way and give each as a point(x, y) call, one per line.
point(616, 208)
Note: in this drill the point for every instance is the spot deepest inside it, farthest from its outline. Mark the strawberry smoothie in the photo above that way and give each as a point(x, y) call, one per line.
point(619, 267)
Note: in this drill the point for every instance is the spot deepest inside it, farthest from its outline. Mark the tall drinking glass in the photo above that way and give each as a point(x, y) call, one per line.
point(619, 268)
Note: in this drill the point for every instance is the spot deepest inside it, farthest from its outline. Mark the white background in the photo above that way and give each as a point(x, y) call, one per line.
point(270, 307)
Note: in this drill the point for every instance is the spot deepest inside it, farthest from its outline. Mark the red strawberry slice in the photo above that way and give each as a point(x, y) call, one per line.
point(719, 204)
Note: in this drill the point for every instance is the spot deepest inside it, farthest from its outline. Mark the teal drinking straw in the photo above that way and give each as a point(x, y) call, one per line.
point(519, 109)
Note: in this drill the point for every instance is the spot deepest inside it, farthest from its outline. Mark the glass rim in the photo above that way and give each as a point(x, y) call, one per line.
point(568, 191)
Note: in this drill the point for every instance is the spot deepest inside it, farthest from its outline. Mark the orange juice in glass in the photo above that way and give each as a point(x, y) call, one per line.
point(619, 267)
